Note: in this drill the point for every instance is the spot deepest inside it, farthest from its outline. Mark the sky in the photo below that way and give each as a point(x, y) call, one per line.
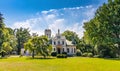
point(38, 15)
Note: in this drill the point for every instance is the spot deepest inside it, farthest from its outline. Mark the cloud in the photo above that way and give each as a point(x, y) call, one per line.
point(54, 19)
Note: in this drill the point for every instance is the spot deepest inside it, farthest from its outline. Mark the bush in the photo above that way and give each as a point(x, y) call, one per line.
point(97, 56)
point(84, 54)
point(90, 55)
point(107, 51)
point(64, 53)
point(87, 55)
point(54, 54)
point(61, 55)
point(78, 52)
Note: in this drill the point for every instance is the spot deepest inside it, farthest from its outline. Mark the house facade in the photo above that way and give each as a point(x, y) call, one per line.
point(60, 44)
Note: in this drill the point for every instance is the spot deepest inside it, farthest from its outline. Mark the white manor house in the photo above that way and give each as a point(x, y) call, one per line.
point(60, 43)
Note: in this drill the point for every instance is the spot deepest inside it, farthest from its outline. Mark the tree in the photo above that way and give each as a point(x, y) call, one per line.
point(44, 47)
point(22, 35)
point(29, 46)
point(12, 39)
point(104, 28)
point(6, 48)
point(38, 45)
point(4, 38)
point(71, 36)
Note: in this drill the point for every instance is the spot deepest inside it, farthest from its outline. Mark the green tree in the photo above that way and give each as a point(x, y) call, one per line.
point(104, 28)
point(30, 47)
point(22, 35)
point(71, 36)
point(6, 48)
point(44, 48)
point(12, 39)
point(38, 45)
point(4, 38)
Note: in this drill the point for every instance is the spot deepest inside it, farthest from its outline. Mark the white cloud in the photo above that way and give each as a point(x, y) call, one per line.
point(44, 12)
point(54, 19)
point(57, 24)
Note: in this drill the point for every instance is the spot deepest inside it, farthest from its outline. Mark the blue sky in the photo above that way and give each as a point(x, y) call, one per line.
point(53, 14)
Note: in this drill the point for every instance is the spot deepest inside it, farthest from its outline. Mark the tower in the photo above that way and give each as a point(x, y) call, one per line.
point(48, 33)
point(58, 31)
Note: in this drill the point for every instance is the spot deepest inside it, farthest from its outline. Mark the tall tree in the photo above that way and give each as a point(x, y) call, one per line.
point(38, 45)
point(4, 38)
point(22, 35)
point(104, 28)
point(12, 39)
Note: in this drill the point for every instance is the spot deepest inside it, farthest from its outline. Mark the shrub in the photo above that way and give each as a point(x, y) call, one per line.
point(87, 54)
point(54, 54)
point(97, 56)
point(107, 51)
point(64, 53)
point(61, 55)
point(90, 55)
point(84, 54)
point(78, 52)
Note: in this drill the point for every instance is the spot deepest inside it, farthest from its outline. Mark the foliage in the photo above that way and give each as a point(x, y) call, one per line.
point(6, 47)
point(106, 51)
point(61, 55)
point(64, 53)
point(71, 36)
point(5, 37)
point(78, 52)
point(22, 35)
point(90, 55)
point(38, 45)
point(87, 54)
point(54, 54)
point(104, 28)
point(12, 39)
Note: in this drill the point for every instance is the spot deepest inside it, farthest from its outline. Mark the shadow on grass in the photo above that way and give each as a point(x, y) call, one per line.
point(40, 58)
point(117, 59)
point(3, 57)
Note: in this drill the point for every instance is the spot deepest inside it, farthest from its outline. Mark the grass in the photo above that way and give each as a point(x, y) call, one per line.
point(54, 64)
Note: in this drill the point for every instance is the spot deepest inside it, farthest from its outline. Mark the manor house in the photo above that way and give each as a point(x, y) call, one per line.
point(60, 43)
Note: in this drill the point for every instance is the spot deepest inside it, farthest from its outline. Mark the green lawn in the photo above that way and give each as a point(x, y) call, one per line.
point(68, 64)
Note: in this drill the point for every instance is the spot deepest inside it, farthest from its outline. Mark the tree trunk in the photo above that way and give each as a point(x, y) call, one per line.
point(33, 54)
point(2, 54)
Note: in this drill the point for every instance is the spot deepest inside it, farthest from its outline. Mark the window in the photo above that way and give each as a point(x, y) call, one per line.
point(68, 50)
point(54, 43)
point(74, 50)
point(62, 42)
point(63, 49)
point(58, 42)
